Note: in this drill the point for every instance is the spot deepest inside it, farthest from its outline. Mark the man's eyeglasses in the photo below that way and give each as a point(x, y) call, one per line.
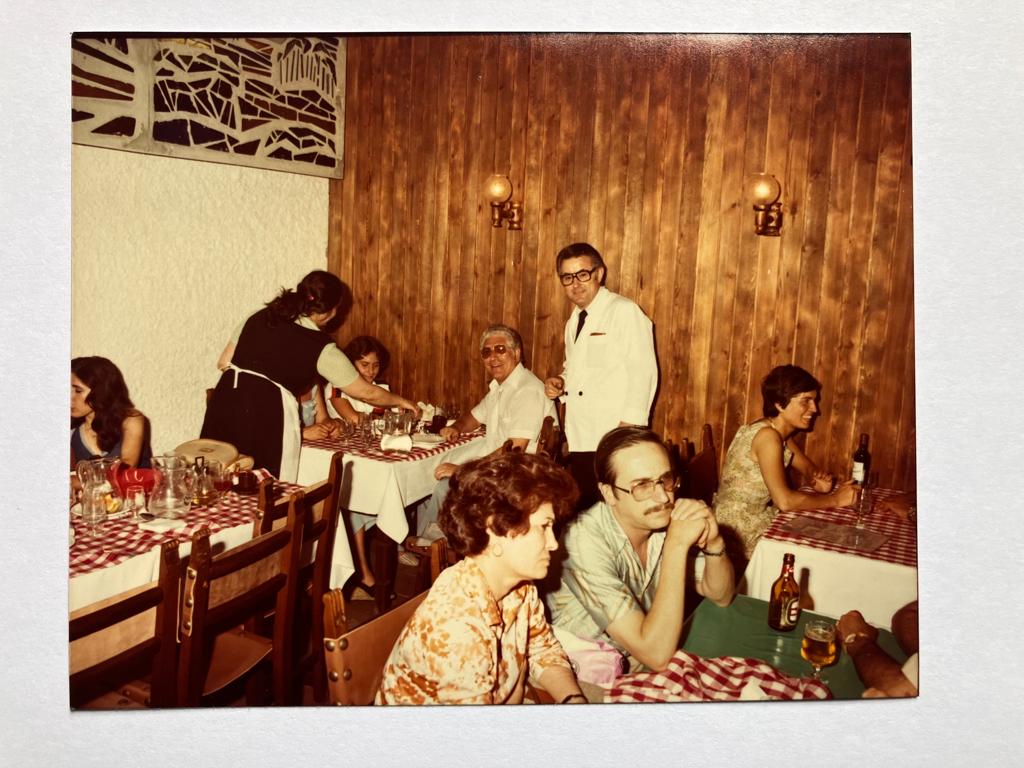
point(642, 490)
point(583, 276)
point(497, 349)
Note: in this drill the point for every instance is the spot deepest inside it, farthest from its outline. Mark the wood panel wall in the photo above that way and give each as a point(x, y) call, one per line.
point(642, 145)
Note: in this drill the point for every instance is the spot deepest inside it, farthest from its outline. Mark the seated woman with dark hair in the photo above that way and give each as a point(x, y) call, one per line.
point(371, 359)
point(481, 632)
point(104, 422)
point(753, 486)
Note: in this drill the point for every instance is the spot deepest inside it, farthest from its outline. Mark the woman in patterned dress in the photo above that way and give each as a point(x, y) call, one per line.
point(753, 486)
point(481, 633)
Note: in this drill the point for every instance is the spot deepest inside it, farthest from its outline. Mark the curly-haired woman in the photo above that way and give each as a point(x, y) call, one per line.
point(481, 632)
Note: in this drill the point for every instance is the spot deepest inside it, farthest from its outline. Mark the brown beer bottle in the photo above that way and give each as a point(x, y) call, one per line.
point(784, 606)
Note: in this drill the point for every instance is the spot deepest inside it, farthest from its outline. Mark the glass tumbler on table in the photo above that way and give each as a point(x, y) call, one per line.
point(865, 502)
point(94, 510)
point(819, 645)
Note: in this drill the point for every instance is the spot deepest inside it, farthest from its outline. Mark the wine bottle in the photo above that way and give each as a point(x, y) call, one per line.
point(784, 606)
point(862, 461)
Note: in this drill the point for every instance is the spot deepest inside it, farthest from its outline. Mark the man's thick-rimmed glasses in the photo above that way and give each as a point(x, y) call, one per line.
point(642, 490)
point(583, 276)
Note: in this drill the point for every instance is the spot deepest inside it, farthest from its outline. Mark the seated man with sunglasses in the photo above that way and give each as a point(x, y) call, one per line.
point(627, 558)
point(514, 408)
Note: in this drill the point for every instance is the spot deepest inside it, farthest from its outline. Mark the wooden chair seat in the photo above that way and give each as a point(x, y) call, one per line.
point(235, 654)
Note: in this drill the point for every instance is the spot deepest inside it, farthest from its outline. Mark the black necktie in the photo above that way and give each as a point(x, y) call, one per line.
point(579, 324)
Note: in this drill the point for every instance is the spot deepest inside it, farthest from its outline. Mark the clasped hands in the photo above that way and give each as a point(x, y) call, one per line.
point(694, 523)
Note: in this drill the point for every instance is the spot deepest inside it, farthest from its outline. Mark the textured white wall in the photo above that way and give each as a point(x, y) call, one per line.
point(169, 255)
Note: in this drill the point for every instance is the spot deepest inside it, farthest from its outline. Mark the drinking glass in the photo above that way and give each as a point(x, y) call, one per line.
point(135, 501)
point(94, 510)
point(865, 503)
point(819, 645)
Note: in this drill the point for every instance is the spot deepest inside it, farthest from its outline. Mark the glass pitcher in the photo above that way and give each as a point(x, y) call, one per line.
point(172, 492)
point(95, 476)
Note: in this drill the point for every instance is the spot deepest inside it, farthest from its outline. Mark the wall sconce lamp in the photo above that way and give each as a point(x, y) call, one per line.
point(765, 190)
point(498, 190)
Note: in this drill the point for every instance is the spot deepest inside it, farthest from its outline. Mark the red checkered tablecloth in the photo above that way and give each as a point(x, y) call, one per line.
point(119, 540)
point(689, 677)
point(901, 548)
point(369, 447)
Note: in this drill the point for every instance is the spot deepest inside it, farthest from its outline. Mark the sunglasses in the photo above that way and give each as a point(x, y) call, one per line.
point(497, 349)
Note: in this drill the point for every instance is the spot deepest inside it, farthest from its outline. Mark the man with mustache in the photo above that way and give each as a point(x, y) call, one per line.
point(628, 556)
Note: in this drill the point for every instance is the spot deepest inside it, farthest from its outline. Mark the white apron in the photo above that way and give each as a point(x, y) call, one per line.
point(291, 434)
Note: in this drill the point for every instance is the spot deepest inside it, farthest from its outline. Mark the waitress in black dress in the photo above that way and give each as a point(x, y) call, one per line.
point(274, 356)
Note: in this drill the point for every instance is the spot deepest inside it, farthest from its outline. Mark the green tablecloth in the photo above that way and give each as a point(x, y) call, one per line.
point(741, 629)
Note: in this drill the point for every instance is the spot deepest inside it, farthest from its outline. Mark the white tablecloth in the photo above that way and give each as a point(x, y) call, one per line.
point(374, 486)
point(877, 585)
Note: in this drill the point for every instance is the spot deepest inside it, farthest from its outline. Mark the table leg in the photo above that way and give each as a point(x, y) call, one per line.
point(384, 553)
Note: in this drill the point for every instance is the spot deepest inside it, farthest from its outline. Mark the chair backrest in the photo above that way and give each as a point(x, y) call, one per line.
point(549, 441)
point(321, 506)
point(242, 584)
point(356, 658)
point(440, 557)
point(128, 636)
point(701, 477)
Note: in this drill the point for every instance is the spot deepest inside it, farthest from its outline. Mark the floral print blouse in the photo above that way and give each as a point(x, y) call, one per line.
point(461, 646)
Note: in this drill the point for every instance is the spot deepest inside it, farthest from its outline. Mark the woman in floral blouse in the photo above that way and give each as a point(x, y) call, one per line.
point(481, 632)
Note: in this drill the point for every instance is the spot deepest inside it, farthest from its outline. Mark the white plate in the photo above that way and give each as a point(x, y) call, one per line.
point(427, 439)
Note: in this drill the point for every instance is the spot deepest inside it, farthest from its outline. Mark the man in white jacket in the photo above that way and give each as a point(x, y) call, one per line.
point(610, 373)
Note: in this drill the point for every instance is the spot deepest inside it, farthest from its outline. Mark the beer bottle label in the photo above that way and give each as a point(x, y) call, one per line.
point(858, 471)
point(792, 611)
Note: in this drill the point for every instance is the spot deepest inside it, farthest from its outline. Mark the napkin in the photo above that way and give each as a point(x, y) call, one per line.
point(396, 443)
point(427, 412)
point(162, 525)
point(593, 661)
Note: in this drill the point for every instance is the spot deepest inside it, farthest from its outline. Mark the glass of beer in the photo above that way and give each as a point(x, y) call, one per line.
point(819, 645)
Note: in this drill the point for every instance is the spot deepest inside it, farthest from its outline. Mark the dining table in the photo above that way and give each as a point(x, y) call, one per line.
point(124, 554)
point(726, 648)
point(840, 565)
point(384, 482)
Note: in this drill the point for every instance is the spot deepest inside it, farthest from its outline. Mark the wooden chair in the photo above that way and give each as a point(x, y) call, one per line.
point(355, 658)
point(551, 440)
point(225, 591)
point(115, 641)
point(700, 479)
point(320, 508)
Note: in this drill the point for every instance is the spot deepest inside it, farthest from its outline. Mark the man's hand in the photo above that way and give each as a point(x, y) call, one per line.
point(445, 470)
point(554, 386)
point(692, 523)
point(449, 433)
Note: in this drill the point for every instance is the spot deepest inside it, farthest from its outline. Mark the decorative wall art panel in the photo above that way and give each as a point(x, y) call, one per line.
point(275, 103)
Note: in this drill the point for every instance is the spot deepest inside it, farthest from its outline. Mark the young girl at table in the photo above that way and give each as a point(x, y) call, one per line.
point(753, 485)
point(371, 359)
point(481, 632)
point(104, 422)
